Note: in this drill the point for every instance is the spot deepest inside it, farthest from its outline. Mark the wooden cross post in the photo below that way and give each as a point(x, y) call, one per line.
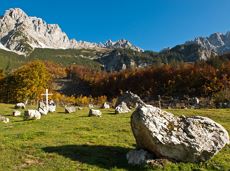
point(47, 98)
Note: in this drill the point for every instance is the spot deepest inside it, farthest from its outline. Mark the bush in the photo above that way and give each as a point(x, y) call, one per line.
point(223, 96)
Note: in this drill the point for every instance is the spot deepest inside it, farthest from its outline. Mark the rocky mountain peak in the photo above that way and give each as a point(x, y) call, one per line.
point(21, 33)
point(217, 39)
point(109, 43)
point(201, 48)
point(123, 44)
point(217, 42)
point(16, 14)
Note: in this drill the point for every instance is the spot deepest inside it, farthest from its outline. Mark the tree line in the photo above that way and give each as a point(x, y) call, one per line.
point(201, 79)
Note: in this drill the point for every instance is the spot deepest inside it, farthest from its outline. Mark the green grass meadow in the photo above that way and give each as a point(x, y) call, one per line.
point(75, 141)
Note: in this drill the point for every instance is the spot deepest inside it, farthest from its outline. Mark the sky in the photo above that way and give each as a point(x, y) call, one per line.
point(149, 24)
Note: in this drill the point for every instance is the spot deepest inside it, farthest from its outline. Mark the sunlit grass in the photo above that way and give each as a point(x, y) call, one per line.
point(62, 141)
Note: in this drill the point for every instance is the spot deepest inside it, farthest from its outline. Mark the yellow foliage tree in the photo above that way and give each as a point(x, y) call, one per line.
point(27, 82)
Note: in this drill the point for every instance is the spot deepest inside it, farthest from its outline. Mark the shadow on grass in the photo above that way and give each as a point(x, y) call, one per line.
point(106, 157)
point(12, 107)
point(111, 113)
point(25, 120)
point(61, 112)
point(85, 116)
point(8, 115)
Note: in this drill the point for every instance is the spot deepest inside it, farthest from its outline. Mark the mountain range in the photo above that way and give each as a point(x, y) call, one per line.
point(32, 38)
point(21, 33)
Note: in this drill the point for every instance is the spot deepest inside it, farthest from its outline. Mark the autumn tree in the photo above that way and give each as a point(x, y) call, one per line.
point(56, 71)
point(27, 82)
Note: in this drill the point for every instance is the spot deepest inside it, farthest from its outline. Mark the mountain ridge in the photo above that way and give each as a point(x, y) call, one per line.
point(21, 33)
point(218, 43)
point(26, 36)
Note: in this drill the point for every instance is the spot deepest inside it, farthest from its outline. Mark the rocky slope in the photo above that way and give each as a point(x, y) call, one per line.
point(217, 42)
point(21, 33)
point(27, 36)
point(121, 44)
point(121, 59)
point(201, 48)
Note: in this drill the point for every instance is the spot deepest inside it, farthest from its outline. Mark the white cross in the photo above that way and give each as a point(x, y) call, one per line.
point(47, 98)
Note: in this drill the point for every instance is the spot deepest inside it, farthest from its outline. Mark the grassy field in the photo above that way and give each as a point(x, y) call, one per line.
point(68, 142)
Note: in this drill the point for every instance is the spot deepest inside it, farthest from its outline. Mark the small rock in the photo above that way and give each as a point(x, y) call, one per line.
point(70, 109)
point(93, 112)
point(122, 108)
point(32, 114)
point(159, 163)
point(52, 108)
point(91, 106)
point(79, 108)
point(41, 104)
point(20, 106)
point(4, 119)
point(132, 100)
point(16, 113)
point(138, 157)
point(105, 106)
point(43, 111)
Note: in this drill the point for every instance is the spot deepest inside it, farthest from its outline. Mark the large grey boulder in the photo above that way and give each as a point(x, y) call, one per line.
point(122, 108)
point(131, 100)
point(94, 112)
point(187, 139)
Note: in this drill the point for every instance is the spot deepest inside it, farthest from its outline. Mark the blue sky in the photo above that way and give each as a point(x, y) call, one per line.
point(150, 24)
